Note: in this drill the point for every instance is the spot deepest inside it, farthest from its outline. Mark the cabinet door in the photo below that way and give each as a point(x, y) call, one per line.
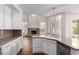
point(37, 45)
point(14, 48)
point(19, 44)
point(45, 46)
point(52, 47)
point(15, 20)
point(8, 19)
point(58, 25)
point(49, 46)
point(34, 45)
point(1, 16)
point(42, 28)
point(6, 50)
point(50, 25)
point(42, 25)
point(33, 22)
point(20, 21)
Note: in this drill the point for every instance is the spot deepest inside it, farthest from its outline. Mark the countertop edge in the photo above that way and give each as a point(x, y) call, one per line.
point(16, 37)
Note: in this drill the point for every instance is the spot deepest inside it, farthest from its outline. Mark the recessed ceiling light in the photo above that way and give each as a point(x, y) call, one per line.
point(33, 15)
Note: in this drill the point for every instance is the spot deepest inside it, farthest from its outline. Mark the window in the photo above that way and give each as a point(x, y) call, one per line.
point(75, 28)
point(75, 32)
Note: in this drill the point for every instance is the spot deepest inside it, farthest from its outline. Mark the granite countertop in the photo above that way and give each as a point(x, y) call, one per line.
point(27, 35)
point(7, 40)
point(57, 39)
point(47, 36)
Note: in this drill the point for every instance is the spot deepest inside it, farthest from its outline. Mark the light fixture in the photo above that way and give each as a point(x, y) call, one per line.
point(33, 15)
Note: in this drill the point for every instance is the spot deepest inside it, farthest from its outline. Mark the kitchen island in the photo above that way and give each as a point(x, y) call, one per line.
point(53, 46)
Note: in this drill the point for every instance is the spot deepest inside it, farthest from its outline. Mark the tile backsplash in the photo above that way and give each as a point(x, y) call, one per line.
point(5, 34)
point(8, 33)
point(17, 33)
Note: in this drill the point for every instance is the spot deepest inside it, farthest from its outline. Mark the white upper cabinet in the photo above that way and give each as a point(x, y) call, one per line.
point(38, 22)
point(33, 22)
point(42, 28)
point(1, 16)
point(59, 18)
point(8, 19)
point(51, 25)
point(20, 21)
point(43, 25)
point(15, 20)
point(54, 24)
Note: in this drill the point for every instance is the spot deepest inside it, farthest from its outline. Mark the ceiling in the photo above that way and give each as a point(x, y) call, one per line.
point(49, 9)
point(30, 9)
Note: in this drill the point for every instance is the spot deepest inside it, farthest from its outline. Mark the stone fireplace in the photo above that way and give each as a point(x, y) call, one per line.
point(33, 31)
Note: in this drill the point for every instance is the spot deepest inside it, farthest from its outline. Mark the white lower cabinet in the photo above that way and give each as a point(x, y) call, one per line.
point(37, 45)
point(11, 48)
point(6, 50)
point(52, 47)
point(14, 48)
point(44, 46)
point(19, 43)
point(47, 46)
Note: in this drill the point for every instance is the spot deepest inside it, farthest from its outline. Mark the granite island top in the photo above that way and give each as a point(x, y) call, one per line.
point(8, 40)
point(57, 39)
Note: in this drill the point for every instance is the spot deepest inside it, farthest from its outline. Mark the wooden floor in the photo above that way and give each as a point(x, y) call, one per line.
point(27, 48)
